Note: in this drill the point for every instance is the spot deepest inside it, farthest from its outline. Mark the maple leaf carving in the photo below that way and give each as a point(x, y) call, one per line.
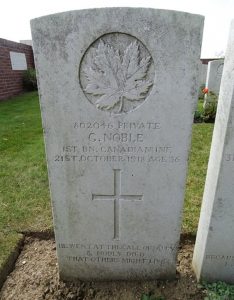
point(114, 77)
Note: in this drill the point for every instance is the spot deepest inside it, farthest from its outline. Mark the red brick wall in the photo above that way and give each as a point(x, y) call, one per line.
point(11, 82)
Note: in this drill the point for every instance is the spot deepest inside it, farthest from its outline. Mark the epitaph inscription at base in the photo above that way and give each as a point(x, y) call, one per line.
point(118, 88)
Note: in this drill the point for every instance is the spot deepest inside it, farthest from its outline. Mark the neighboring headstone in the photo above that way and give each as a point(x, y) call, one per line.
point(203, 73)
point(214, 250)
point(26, 42)
point(18, 61)
point(214, 74)
point(213, 80)
point(118, 89)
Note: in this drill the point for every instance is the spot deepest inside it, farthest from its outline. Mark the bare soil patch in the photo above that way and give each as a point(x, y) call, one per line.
point(35, 277)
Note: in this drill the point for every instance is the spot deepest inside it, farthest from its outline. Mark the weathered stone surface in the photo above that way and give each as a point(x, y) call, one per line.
point(118, 88)
point(214, 249)
point(214, 74)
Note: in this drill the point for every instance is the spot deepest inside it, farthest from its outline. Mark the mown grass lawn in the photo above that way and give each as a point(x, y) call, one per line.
point(24, 192)
point(198, 160)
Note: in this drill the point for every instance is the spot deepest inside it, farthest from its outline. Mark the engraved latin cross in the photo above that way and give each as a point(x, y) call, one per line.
point(117, 197)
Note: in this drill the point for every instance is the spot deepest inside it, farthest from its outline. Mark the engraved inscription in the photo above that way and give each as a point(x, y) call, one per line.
point(119, 253)
point(118, 125)
point(116, 73)
point(229, 157)
point(98, 259)
point(117, 197)
point(225, 260)
point(117, 141)
point(120, 247)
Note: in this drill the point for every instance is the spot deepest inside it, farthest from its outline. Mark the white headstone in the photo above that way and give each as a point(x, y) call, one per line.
point(118, 88)
point(18, 61)
point(26, 42)
point(214, 74)
point(214, 250)
point(203, 74)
